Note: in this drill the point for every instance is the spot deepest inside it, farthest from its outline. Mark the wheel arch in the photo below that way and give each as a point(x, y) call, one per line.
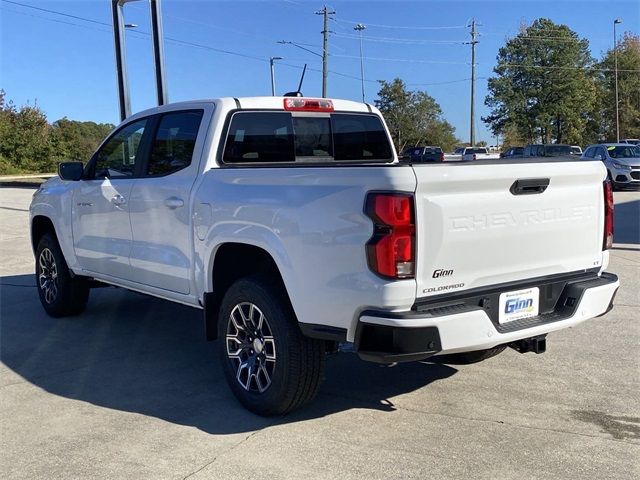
point(232, 261)
point(40, 225)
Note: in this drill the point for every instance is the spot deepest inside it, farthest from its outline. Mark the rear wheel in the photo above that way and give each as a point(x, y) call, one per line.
point(466, 358)
point(61, 294)
point(269, 365)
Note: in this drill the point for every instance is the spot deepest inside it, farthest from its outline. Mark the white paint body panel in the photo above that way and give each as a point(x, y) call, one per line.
point(469, 222)
point(310, 220)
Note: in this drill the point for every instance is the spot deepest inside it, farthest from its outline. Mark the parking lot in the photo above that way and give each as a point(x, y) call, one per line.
point(130, 389)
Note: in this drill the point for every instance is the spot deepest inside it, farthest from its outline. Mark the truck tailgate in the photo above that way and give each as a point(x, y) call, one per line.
point(472, 231)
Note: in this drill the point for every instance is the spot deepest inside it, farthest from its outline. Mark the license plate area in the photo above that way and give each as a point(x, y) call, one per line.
point(518, 304)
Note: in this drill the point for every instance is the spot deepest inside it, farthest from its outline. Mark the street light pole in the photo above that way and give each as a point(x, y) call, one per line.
point(359, 28)
point(273, 77)
point(615, 58)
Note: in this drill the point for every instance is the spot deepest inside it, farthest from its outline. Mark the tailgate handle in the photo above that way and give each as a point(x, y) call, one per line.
point(529, 186)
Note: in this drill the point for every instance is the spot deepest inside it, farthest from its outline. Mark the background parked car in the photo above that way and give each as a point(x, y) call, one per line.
point(622, 161)
point(512, 152)
point(455, 156)
point(576, 150)
point(547, 150)
point(478, 153)
point(632, 141)
point(423, 154)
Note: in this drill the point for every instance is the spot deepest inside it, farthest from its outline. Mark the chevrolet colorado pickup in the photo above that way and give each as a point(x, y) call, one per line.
point(291, 224)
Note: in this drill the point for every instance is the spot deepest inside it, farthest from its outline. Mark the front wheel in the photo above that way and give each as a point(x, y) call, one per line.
point(269, 365)
point(61, 294)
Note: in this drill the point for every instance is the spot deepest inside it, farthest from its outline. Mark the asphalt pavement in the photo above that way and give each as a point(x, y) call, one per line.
point(130, 389)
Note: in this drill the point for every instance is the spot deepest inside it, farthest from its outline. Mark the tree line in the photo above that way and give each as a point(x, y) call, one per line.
point(30, 144)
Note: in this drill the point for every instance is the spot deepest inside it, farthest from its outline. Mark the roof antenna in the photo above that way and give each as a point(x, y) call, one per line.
point(298, 93)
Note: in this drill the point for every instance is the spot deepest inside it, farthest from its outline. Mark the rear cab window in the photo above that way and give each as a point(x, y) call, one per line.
point(276, 137)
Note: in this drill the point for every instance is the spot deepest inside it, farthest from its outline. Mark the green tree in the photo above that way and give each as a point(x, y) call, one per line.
point(543, 87)
point(25, 138)
point(628, 52)
point(75, 140)
point(29, 144)
point(413, 117)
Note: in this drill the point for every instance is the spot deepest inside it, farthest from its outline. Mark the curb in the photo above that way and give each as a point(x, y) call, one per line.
point(18, 184)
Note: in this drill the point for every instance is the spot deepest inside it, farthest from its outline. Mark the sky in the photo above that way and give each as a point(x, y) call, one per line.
point(66, 63)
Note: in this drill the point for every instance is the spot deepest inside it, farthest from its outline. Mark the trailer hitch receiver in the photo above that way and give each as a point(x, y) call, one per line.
point(537, 344)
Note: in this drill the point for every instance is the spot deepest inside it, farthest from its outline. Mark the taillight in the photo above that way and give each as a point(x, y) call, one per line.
point(391, 251)
point(607, 241)
point(308, 104)
point(442, 156)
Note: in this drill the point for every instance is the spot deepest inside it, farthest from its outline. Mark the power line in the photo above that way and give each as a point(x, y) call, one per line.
point(405, 41)
point(408, 60)
point(595, 69)
point(57, 13)
point(141, 34)
point(443, 83)
point(402, 27)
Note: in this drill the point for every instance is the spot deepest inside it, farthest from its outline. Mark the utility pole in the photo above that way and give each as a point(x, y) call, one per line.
point(474, 34)
point(359, 28)
point(615, 56)
point(325, 46)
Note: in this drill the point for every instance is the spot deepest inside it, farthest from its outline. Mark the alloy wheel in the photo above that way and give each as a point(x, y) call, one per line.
point(48, 275)
point(251, 347)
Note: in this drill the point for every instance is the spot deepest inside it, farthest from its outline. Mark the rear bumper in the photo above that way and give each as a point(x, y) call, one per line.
point(408, 336)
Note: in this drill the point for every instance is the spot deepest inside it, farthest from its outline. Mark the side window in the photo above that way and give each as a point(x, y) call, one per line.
point(259, 137)
point(599, 153)
point(117, 158)
point(172, 147)
point(588, 153)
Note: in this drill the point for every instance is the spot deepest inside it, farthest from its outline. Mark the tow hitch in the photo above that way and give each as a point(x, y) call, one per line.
point(536, 344)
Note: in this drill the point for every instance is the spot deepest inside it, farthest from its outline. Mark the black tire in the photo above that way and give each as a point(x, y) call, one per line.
point(61, 294)
point(467, 358)
point(294, 363)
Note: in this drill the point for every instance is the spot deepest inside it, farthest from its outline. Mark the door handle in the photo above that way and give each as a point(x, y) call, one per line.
point(174, 202)
point(118, 200)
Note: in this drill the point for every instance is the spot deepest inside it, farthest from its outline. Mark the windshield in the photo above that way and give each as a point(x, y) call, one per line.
point(476, 150)
point(630, 151)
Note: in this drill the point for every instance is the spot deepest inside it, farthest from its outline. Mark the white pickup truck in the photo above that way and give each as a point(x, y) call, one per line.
point(290, 222)
point(470, 154)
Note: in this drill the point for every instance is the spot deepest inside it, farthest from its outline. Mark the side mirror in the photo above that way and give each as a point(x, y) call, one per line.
point(601, 157)
point(70, 170)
